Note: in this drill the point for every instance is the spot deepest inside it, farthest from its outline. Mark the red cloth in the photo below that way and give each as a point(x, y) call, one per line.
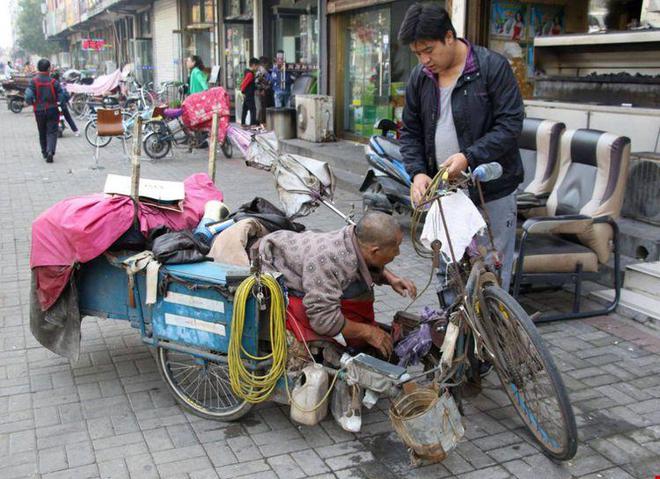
point(198, 111)
point(353, 310)
point(79, 229)
point(247, 79)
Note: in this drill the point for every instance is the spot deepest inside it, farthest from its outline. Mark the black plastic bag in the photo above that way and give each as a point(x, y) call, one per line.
point(171, 247)
point(268, 214)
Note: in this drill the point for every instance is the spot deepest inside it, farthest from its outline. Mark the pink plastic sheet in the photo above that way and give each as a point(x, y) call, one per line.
point(79, 229)
point(198, 111)
point(101, 85)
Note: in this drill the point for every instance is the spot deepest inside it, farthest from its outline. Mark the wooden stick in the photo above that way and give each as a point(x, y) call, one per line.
point(135, 160)
point(212, 146)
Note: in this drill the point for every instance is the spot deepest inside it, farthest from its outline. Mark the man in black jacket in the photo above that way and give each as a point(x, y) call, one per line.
point(45, 94)
point(463, 109)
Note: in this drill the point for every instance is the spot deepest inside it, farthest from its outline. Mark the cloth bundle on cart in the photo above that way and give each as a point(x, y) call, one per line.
point(198, 110)
point(79, 229)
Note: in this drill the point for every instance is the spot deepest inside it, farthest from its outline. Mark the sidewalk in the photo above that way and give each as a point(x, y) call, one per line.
point(109, 415)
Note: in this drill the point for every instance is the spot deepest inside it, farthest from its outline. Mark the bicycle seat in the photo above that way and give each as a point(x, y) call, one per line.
point(173, 113)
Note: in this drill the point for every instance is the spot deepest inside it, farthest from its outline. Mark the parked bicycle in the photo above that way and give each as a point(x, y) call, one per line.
point(172, 132)
point(491, 327)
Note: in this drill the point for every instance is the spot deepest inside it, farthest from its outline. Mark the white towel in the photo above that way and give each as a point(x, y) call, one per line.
point(463, 222)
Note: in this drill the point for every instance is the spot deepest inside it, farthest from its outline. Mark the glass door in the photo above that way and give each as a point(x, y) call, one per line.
point(367, 82)
point(238, 44)
point(144, 64)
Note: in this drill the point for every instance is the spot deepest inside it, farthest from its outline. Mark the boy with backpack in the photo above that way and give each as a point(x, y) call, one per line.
point(44, 94)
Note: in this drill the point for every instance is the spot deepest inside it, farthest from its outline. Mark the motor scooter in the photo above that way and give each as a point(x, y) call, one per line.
point(386, 186)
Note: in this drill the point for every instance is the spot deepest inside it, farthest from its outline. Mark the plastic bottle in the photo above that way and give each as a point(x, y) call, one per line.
point(487, 172)
point(307, 395)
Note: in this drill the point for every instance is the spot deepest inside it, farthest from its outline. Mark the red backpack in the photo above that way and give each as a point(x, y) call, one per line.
point(49, 101)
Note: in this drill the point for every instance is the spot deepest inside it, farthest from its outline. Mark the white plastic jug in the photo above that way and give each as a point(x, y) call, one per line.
point(307, 395)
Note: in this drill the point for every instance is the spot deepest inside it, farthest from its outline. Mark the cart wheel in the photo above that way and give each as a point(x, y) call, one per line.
point(200, 386)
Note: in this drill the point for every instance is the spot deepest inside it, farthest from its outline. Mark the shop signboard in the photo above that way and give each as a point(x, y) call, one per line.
point(93, 44)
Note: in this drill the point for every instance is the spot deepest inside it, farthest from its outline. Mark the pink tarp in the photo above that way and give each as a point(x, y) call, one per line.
point(198, 111)
point(101, 85)
point(79, 229)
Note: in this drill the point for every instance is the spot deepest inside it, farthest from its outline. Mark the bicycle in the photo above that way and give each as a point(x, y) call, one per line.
point(489, 325)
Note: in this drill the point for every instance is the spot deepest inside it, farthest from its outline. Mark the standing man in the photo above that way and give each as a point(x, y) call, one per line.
point(44, 94)
point(463, 109)
point(248, 88)
point(281, 80)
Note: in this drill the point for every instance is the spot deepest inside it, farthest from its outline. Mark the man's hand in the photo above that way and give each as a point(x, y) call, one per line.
point(380, 340)
point(455, 165)
point(373, 335)
point(404, 287)
point(420, 184)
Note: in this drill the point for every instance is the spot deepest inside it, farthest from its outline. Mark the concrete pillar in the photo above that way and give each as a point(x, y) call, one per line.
point(458, 12)
point(258, 33)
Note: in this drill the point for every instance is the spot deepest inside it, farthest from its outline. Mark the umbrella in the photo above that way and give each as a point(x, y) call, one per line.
point(302, 183)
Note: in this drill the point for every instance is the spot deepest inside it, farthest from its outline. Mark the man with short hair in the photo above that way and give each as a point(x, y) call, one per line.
point(330, 278)
point(248, 88)
point(463, 109)
point(281, 80)
point(44, 94)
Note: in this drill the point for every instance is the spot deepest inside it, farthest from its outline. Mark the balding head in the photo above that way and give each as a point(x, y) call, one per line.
point(377, 229)
point(379, 236)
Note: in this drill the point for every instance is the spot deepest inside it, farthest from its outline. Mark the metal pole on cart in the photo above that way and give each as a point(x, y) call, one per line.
point(135, 161)
point(213, 154)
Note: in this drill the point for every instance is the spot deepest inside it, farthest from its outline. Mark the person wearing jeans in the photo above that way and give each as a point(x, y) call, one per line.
point(463, 108)
point(44, 94)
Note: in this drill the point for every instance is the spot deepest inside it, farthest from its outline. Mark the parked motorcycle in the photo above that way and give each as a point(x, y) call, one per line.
point(386, 187)
point(15, 101)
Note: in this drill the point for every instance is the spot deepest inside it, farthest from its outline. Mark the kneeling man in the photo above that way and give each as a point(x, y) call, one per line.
point(330, 278)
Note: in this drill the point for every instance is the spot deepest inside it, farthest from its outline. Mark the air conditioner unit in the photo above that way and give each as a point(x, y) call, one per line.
point(315, 119)
point(642, 197)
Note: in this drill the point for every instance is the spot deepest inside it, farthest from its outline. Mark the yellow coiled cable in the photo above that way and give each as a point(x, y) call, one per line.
point(252, 386)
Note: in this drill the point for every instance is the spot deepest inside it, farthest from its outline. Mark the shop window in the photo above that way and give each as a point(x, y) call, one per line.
point(144, 23)
point(200, 11)
point(367, 87)
point(297, 33)
point(238, 43)
point(238, 9)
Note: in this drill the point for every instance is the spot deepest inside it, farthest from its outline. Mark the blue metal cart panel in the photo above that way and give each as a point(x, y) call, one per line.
point(198, 316)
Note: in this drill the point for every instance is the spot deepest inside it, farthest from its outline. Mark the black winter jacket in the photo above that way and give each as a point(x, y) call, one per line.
point(488, 114)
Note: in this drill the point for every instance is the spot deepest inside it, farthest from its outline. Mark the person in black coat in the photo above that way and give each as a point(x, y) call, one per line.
point(463, 109)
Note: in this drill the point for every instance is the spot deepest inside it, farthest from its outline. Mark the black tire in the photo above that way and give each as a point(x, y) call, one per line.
point(377, 189)
point(16, 105)
point(155, 147)
point(60, 132)
point(92, 137)
point(529, 375)
point(227, 148)
point(200, 386)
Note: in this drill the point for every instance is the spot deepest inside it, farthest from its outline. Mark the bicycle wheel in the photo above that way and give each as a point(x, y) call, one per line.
point(200, 386)
point(91, 136)
point(528, 374)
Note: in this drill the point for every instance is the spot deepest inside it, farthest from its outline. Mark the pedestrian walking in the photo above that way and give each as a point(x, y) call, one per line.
point(198, 79)
point(64, 106)
point(44, 94)
point(248, 88)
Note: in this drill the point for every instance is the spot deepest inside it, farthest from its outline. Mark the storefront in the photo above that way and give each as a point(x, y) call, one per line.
point(368, 69)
